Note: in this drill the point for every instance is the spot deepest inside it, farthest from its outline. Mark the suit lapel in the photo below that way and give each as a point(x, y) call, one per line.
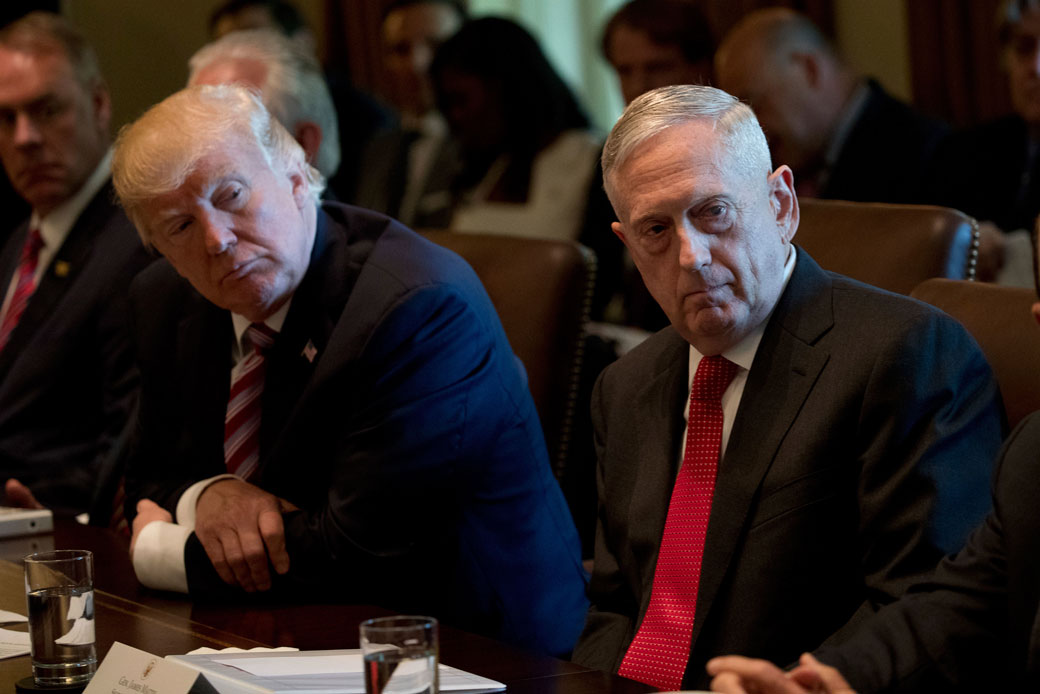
point(61, 274)
point(660, 405)
point(785, 368)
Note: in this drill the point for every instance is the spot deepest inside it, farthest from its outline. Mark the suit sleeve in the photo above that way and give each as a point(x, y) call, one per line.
point(931, 423)
point(954, 630)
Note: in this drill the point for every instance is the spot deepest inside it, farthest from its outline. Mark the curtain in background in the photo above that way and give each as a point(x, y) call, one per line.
point(955, 60)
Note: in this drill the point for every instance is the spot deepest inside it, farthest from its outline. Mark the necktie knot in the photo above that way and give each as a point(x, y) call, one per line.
point(712, 378)
point(260, 337)
point(33, 245)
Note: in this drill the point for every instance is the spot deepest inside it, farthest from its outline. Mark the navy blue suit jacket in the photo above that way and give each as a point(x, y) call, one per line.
point(409, 442)
point(67, 378)
point(858, 457)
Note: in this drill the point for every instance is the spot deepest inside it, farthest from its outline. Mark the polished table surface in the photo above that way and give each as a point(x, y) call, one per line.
point(164, 624)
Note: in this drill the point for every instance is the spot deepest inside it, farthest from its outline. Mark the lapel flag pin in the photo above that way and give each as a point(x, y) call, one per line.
point(310, 351)
point(61, 268)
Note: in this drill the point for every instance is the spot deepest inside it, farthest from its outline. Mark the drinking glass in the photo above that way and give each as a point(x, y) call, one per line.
point(400, 655)
point(59, 588)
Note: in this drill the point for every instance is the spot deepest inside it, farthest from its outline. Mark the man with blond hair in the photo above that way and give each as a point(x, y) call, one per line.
point(796, 448)
point(67, 380)
point(329, 404)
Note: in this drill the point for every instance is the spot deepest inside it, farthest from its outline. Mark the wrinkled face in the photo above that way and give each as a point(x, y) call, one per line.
point(53, 131)
point(642, 65)
point(411, 35)
point(709, 238)
point(1022, 58)
point(239, 231)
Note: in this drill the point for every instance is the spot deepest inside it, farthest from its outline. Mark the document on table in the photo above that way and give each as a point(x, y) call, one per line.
point(13, 643)
point(308, 672)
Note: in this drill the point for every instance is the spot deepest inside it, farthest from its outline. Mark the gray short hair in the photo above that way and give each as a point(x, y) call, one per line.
point(294, 91)
point(663, 108)
point(156, 154)
point(46, 32)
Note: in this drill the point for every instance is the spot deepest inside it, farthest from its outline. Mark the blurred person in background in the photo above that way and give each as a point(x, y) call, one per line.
point(408, 169)
point(360, 116)
point(842, 134)
point(527, 156)
point(992, 171)
point(289, 81)
point(658, 43)
point(68, 384)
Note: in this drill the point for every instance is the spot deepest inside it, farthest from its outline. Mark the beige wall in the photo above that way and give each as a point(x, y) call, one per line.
point(144, 45)
point(873, 37)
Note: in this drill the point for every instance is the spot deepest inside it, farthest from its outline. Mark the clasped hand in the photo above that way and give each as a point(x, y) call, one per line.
point(738, 675)
point(240, 527)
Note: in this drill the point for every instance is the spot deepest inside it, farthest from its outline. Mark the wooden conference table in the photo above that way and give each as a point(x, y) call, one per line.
point(164, 624)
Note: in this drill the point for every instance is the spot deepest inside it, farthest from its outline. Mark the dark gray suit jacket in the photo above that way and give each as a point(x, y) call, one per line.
point(858, 457)
point(67, 378)
point(977, 624)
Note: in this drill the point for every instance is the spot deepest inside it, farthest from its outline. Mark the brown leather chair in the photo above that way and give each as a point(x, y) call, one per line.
point(1000, 320)
point(894, 247)
point(542, 291)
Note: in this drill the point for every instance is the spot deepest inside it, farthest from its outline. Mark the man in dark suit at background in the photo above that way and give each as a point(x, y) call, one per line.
point(844, 136)
point(329, 403)
point(67, 381)
point(837, 437)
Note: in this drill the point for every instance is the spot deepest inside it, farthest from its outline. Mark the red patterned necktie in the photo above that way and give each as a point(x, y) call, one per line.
point(659, 652)
point(242, 422)
point(24, 287)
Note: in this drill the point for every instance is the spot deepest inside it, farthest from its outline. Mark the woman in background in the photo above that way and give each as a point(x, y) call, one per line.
point(527, 157)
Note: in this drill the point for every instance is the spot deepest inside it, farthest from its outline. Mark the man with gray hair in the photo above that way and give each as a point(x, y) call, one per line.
point(67, 380)
point(289, 81)
point(795, 449)
point(329, 404)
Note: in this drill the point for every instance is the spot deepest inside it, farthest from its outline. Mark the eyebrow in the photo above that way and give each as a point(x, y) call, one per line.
point(696, 203)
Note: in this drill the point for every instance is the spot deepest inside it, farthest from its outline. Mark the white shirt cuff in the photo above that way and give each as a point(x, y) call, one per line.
point(190, 497)
point(158, 556)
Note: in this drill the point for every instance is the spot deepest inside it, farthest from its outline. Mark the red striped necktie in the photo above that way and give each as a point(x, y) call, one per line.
point(24, 286)
point(242, 422)
point(659, 652)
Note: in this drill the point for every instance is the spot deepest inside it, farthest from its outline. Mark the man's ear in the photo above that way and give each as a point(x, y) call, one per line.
point(309, 135)
point(784, 202)
point(618, 230)
point(809, 65)
point(301, 188)
point(102, 104)
point(1036, 312)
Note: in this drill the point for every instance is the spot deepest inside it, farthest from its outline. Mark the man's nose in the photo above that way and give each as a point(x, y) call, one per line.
point(26, 132)
point(694, 253)
point(217, 236)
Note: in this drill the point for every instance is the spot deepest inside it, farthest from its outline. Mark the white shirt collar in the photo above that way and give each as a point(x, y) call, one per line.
point(743, 353)
point(55, 227)
point(275, 321)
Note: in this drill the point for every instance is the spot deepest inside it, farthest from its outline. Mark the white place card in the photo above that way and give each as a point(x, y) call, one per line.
point(127, 670)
